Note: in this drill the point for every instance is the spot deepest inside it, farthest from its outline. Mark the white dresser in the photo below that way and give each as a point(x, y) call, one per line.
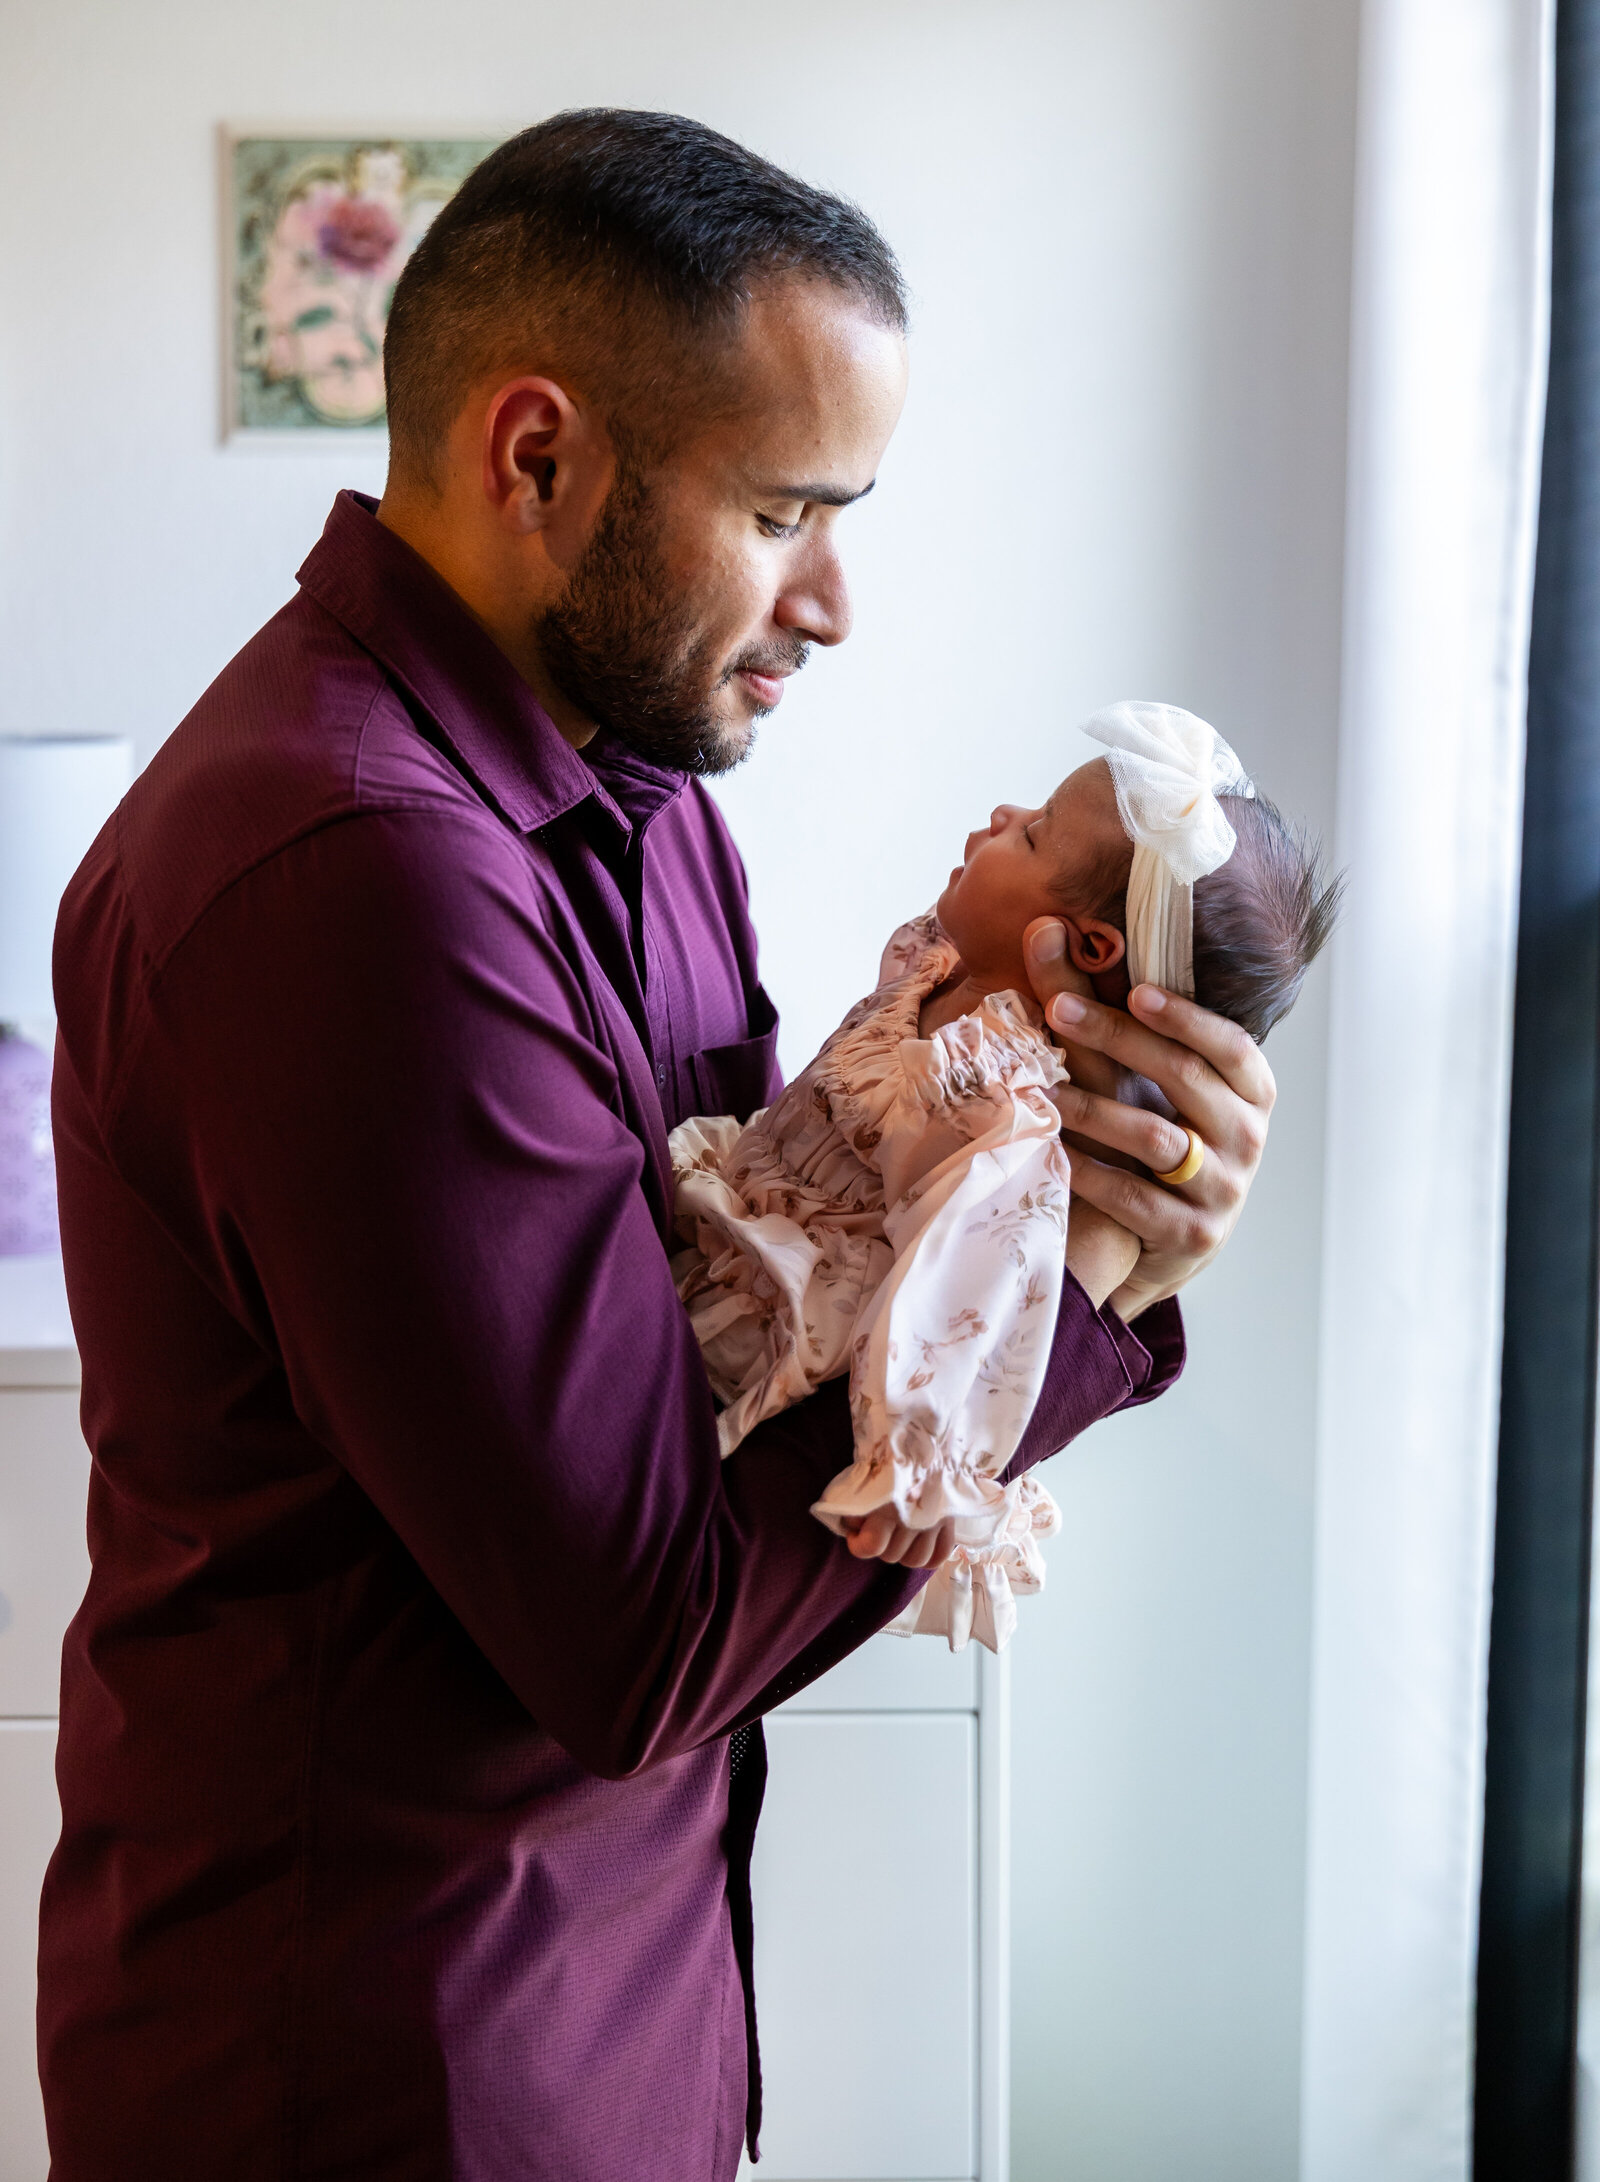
point(880, 1868)
point(44, 1564)
point(882, 1917)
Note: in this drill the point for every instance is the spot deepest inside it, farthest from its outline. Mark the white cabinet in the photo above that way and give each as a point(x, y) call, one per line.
point(44, 1565)
point(30, 1819)
point(879, 1886)
point(898, 1674)
point(866, 1946)
point(44, 1560)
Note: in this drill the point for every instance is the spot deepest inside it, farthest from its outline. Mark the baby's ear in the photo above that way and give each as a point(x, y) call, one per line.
point(1094, 945)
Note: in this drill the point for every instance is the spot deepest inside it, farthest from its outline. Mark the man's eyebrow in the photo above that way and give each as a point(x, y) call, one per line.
point(822, 496)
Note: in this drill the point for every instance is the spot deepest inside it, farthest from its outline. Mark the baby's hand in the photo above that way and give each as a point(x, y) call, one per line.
point(881, 1536)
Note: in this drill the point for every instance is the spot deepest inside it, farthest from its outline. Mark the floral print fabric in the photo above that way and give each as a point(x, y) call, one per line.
point(899, 1212)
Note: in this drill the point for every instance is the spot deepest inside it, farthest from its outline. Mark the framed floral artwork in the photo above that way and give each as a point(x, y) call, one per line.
point(318, 229)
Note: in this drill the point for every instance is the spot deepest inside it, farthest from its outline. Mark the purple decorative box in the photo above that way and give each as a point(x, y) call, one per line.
point(28, 1224)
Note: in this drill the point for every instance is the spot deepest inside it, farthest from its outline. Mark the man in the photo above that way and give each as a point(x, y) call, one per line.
point(407, 1762)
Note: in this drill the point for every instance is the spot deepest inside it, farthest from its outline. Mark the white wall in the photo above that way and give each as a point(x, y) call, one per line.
point(1120, 473)
point(1161, 1715)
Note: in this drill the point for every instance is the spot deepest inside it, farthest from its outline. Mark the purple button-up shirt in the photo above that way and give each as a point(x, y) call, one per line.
point(402, 1834)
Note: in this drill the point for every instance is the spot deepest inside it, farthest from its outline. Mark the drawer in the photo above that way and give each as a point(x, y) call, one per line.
point(44, 1562)
point(896, 1674)
point(865, 1886)
point(30, 1819)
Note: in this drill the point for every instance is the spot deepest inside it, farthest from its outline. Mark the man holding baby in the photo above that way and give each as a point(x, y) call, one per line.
point(410, 1750)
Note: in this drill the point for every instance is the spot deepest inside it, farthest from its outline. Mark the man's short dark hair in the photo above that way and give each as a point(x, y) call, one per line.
point(1261, 920)
point(620, 247)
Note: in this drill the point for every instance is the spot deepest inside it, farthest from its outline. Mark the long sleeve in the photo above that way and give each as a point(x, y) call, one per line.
point(376, 1102)
point(394, 1724)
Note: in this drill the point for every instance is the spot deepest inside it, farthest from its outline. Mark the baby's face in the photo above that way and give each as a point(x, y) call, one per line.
point(1032, 863)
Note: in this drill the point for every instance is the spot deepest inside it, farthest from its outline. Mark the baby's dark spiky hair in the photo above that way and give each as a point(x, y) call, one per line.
point(1262, 919)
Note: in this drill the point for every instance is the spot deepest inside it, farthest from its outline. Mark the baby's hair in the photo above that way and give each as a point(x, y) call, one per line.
point(1262, 919)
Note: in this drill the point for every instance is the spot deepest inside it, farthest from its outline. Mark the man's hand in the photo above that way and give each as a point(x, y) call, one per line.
point(1211, 1076)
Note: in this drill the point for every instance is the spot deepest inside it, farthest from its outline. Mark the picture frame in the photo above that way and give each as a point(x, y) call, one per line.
point(315, 229)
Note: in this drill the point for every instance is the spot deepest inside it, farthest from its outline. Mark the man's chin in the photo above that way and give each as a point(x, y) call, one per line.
point(728, 743)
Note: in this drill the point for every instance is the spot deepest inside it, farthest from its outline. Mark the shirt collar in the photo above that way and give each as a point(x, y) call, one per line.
point(407, 616)
point(638, 787)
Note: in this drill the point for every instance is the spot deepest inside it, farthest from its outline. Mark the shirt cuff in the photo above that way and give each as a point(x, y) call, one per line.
point(1156, 1354)
point(1097, 1366)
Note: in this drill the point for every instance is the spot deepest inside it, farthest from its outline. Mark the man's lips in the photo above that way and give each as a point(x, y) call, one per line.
point(765, 688)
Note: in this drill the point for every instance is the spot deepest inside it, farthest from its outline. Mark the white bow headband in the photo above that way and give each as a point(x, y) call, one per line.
point(1169, 769)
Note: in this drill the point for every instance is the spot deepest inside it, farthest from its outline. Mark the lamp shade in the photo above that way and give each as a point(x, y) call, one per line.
point(56, 792)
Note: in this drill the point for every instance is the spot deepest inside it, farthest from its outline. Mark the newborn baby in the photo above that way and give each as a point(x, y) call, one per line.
point(900, 1210)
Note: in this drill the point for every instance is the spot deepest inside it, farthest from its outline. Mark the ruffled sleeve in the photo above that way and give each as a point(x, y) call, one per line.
point(950, 1353)
point(783, 1220)
point(974, 1594)
point(773, 1295)
point(900, 1211)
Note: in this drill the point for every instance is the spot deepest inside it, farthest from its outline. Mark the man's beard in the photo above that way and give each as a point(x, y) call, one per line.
point(623, 646)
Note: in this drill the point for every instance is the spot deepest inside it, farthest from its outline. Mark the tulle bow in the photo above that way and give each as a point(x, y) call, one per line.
point(1169, 769)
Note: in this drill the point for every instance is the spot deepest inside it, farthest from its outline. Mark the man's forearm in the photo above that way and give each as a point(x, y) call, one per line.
point(1100, 1254)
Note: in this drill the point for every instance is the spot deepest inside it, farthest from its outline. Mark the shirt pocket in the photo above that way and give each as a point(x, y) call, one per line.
point(736, 1079)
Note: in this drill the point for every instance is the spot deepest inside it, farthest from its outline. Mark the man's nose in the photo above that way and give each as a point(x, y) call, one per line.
point(815, 602)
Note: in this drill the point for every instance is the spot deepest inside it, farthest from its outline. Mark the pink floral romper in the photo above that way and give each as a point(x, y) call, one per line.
point(899, 1212)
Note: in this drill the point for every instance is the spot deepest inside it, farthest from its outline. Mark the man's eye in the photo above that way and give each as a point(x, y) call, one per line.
point(775, 529)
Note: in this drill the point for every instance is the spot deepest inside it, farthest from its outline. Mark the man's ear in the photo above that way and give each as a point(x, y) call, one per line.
point(1094, 945)
point(544, 462)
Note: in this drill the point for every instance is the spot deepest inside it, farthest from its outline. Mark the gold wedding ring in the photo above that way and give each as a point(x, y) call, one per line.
point(1188, 1166)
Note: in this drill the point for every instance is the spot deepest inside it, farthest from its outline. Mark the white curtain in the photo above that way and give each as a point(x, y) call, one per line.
point(1448, 355)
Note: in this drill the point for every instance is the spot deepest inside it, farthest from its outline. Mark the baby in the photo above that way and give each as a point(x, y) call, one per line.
point(900, 1211)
